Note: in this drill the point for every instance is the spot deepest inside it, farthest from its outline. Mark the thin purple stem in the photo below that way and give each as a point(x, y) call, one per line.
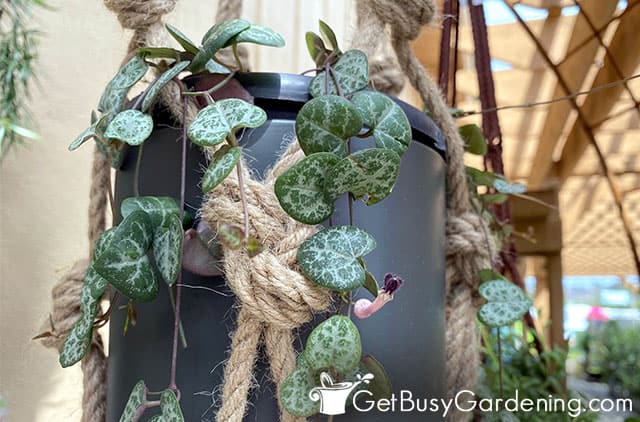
point(176, 325)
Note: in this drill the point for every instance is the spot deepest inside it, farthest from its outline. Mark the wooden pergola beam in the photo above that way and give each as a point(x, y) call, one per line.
point(625, 49)
point(574, 73)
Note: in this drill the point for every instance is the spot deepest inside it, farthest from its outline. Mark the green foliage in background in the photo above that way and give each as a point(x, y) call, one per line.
point(622, 357)
point(534, 375)
point(18, 52)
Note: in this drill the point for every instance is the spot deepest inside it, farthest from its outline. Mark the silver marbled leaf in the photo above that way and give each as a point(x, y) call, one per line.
point(335, 343)
point(300, 189)
point(390, 126)
point(351, 74)
point(132, 127)
point(214, 122)
point(506, 303)
point(215, 39)
point(220, 168)
point(326, 123)
point(369, 173)
point(260, 35)
point(330, 257)
point(162, 80)
point(136, 399)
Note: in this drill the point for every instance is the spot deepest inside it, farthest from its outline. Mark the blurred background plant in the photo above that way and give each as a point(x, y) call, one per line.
point(18, 52)
point(535, 375)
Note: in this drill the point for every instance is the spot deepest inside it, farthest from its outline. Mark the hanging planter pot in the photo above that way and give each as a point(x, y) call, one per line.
point(408, 226)
point(268, 205)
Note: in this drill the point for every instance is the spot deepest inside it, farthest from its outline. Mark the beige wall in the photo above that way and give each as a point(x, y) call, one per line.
point(43, 188)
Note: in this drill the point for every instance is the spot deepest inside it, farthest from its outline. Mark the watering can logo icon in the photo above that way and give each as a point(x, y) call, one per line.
point(333, 396)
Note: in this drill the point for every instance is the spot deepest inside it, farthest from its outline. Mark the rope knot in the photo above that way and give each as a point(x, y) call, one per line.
point(139, 14)
point(406, 17)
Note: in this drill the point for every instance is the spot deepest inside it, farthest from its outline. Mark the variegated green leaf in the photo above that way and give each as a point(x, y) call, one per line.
point(214, 122)
point(77, 342)
point(215, 39)
point(116, 91)
point(390, 126)
point(167, 248)
point(158, 208)
point(369, 173)
point(351, 73)
point(182, 39)
point(257, 34)
point(230, 236)
point(130, 126)
point(125, 263)
point(159, 53)
point(90, 132)
point(335, 343)
point(162, 80)
point(325, 124)
point(506, 303)
point(294, 391)
point(136, 399)
point(330, 257)
point(220, 168)
point(170, 407)
point(300, 189)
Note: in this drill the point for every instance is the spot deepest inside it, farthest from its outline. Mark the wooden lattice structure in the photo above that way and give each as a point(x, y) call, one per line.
point(578, 46)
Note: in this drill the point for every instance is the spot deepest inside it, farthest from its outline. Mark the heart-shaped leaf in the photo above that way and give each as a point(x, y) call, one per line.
point(367, 173)
point(390, 126)
point(171, 411)
point(220, 167)
point(300, 189)
point(503, 186)
point(116, 91)
point(158, 208)
point(215, 39)
point(214, 122)
point(167, 248)
point(473, 139)
point(294, 391)
point(162, 80)
point(351, 74)
point(257, 34)
point(130, 126)
point(136, 399)
point(182, 39)
point(506, 303)
point(324, 124)
point(330, 257)
point(125, 263)
point(91, 132)
point(380, 386)
point(334, 343)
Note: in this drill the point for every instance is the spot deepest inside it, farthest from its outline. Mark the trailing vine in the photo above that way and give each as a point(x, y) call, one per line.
point(147, 245)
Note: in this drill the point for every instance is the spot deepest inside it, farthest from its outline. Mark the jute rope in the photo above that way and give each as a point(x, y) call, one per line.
point(144, 18)
point(468, 249)
point(274, 298)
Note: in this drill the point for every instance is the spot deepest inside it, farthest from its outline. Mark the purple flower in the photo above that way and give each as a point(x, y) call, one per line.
point(392, 282)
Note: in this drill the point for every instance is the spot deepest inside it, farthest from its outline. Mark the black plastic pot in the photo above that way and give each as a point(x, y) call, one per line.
point(407, 336)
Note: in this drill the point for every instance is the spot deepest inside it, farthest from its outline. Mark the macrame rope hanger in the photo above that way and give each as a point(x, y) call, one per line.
point(269, 313)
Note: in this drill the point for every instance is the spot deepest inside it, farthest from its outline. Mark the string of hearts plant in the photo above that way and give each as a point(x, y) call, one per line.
point(147, 245)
